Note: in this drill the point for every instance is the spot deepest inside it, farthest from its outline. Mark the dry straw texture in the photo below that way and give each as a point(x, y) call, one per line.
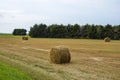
point(60, 55)
point(107, 39)
point(24, 38)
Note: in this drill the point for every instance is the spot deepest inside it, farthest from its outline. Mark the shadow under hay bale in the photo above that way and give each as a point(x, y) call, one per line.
point(107, 39)
point(24, 38)
point(60, 55)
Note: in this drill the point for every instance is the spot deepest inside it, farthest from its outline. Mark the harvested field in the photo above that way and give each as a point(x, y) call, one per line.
point(90, 59)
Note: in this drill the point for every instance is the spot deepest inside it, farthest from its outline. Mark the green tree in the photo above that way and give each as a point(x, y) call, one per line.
point(108, 31)
point(85, 31)
point(19, 32)
point(116, 32)
point(92, 32)
point(57, 31)
point(75, 31)
point(100, 32)
point(38, 31)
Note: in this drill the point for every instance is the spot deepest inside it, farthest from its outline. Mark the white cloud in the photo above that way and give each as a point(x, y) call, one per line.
point(29, 12)
point(18, 16)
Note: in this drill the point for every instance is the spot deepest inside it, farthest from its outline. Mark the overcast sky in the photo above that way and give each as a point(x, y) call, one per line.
point(25, 13)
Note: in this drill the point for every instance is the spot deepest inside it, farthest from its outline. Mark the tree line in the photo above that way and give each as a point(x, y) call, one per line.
point(19, 32)
point(72, 31)
point(75, 31)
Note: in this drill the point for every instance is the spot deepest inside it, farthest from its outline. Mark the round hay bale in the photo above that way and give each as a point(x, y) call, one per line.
point(60, 55)
point(107, 39)
point(24, 38)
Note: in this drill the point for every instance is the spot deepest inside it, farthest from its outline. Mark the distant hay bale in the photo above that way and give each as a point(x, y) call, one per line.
point(60, 55)
point(107, 39)
point(24, 38)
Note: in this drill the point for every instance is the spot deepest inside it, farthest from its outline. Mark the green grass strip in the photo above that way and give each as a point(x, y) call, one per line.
point(9, 73)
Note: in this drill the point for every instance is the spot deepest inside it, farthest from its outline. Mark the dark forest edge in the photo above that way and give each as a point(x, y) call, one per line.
point(74, 31)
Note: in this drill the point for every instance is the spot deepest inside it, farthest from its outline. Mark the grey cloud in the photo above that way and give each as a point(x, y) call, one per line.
point(1, 16)
point(28, 12)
